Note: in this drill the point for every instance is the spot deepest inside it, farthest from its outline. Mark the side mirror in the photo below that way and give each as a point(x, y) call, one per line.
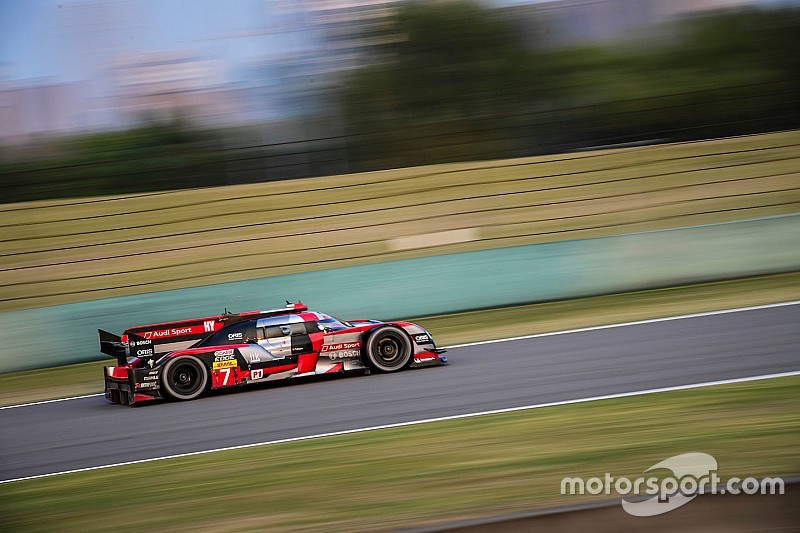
point(286, 330)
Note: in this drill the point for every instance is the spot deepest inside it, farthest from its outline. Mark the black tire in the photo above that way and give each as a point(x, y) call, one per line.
point(184, 378)
point(388, 349)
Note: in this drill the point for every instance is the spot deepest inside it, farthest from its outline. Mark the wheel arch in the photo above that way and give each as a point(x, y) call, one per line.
point(367, 336)
point(164, 376)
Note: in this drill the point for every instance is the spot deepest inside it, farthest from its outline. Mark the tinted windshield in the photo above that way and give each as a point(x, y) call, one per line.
point(331, 324)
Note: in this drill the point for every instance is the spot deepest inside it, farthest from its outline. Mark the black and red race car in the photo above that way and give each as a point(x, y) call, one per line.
point(181, 360)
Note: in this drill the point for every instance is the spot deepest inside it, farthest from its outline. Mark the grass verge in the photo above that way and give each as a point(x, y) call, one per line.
point(423, 474)
point(75, 380)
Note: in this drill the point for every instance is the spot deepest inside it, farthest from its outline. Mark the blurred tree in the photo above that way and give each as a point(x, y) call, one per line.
point(156, 156)
point(458, 68)
point(465, 86)
point(467, 82)
point(722, 73)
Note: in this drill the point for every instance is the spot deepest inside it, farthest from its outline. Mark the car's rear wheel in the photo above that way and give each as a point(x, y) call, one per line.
point(184, 378)
point(388, 349)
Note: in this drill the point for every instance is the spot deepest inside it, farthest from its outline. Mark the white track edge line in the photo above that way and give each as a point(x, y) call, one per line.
point(51, 401)
point(417, 422)
point(522, 337)
point(623, 324)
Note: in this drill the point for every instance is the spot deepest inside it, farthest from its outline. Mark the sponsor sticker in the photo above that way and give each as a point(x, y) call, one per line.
point(231, 363)
point(173, 332)
point(424, 359)
point(422, 338)
point(223, 353)
point(341, 346)
point(343, 354)
point(235, 336)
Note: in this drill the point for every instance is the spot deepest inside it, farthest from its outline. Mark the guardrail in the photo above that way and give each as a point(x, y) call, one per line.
point(62, 334)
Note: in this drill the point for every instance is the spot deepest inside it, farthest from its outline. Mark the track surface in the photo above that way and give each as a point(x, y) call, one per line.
point(87, 432)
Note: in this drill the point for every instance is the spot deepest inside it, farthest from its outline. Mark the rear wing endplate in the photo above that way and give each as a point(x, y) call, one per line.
point(113, 346)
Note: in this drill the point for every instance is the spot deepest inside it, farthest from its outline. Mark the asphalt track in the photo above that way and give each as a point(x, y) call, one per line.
point(87, 432)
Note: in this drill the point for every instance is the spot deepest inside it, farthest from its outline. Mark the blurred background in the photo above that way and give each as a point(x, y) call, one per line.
point(118, 96)
point(489, 168)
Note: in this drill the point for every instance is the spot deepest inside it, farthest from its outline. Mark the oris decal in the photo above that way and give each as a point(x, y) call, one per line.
point(422, 338)
point(235, 336)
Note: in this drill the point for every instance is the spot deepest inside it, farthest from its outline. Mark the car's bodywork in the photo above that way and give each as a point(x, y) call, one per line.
point(180, 360)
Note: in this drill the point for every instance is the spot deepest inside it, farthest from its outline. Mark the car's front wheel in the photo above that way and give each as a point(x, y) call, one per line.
point(388, 349)
point(184, 378)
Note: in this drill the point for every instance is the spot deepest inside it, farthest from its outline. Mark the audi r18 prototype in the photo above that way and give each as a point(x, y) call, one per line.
point(181, 360)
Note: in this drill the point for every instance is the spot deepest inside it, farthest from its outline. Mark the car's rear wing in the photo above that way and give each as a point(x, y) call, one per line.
point(114, 346)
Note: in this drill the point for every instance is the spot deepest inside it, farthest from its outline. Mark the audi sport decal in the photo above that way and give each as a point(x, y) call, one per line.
point(341, 346)
point(172, 332)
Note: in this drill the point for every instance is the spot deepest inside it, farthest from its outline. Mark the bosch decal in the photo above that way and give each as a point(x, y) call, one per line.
point(343, 354)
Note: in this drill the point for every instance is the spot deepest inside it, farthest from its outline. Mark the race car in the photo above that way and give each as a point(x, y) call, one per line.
point(183, 359)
